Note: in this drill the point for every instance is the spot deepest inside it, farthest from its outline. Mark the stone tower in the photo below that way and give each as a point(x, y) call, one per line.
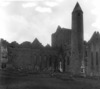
point(76, 40)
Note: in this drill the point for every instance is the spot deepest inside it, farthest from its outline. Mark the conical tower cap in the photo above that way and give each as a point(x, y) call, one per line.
point(77, 8)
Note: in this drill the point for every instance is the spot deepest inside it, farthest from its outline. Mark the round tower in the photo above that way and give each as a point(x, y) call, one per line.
point(77, 40)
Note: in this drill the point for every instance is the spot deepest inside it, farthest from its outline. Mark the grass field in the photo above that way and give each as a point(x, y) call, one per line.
point(44, 81)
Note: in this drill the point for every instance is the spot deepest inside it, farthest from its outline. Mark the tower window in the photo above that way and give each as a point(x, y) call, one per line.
point(78, 14)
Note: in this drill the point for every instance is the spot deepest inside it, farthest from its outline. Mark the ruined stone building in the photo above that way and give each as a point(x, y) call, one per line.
point(92, 55)
point(68, 52)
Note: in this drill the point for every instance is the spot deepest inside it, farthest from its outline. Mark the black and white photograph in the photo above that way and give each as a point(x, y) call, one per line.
point(49, 44)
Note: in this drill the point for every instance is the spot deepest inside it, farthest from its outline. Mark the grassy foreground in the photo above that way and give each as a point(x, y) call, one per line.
point(44, 81)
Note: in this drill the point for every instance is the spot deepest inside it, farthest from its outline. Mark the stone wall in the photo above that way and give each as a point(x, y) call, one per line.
point(93, 56)
point(61, 37)
point(32, 59)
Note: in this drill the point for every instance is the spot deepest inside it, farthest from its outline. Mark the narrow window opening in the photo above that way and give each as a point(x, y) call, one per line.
point(78, 14)
point(92, 60)
point(68, 61)
point(97, 60)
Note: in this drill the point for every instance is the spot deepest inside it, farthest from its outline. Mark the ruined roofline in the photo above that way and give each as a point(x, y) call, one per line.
point(59, 28)
point(35, 44)
point(62, 28)
point(66, 29)
point(96, 35)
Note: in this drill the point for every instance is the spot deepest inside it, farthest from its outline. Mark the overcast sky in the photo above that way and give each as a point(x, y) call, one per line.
point(24, 20)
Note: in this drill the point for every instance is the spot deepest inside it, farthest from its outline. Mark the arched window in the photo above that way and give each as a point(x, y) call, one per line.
point(86, 53)
point(97, 60)
point(45, 60)
point(50, 61)
point(92, 62)
point(68, 61)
